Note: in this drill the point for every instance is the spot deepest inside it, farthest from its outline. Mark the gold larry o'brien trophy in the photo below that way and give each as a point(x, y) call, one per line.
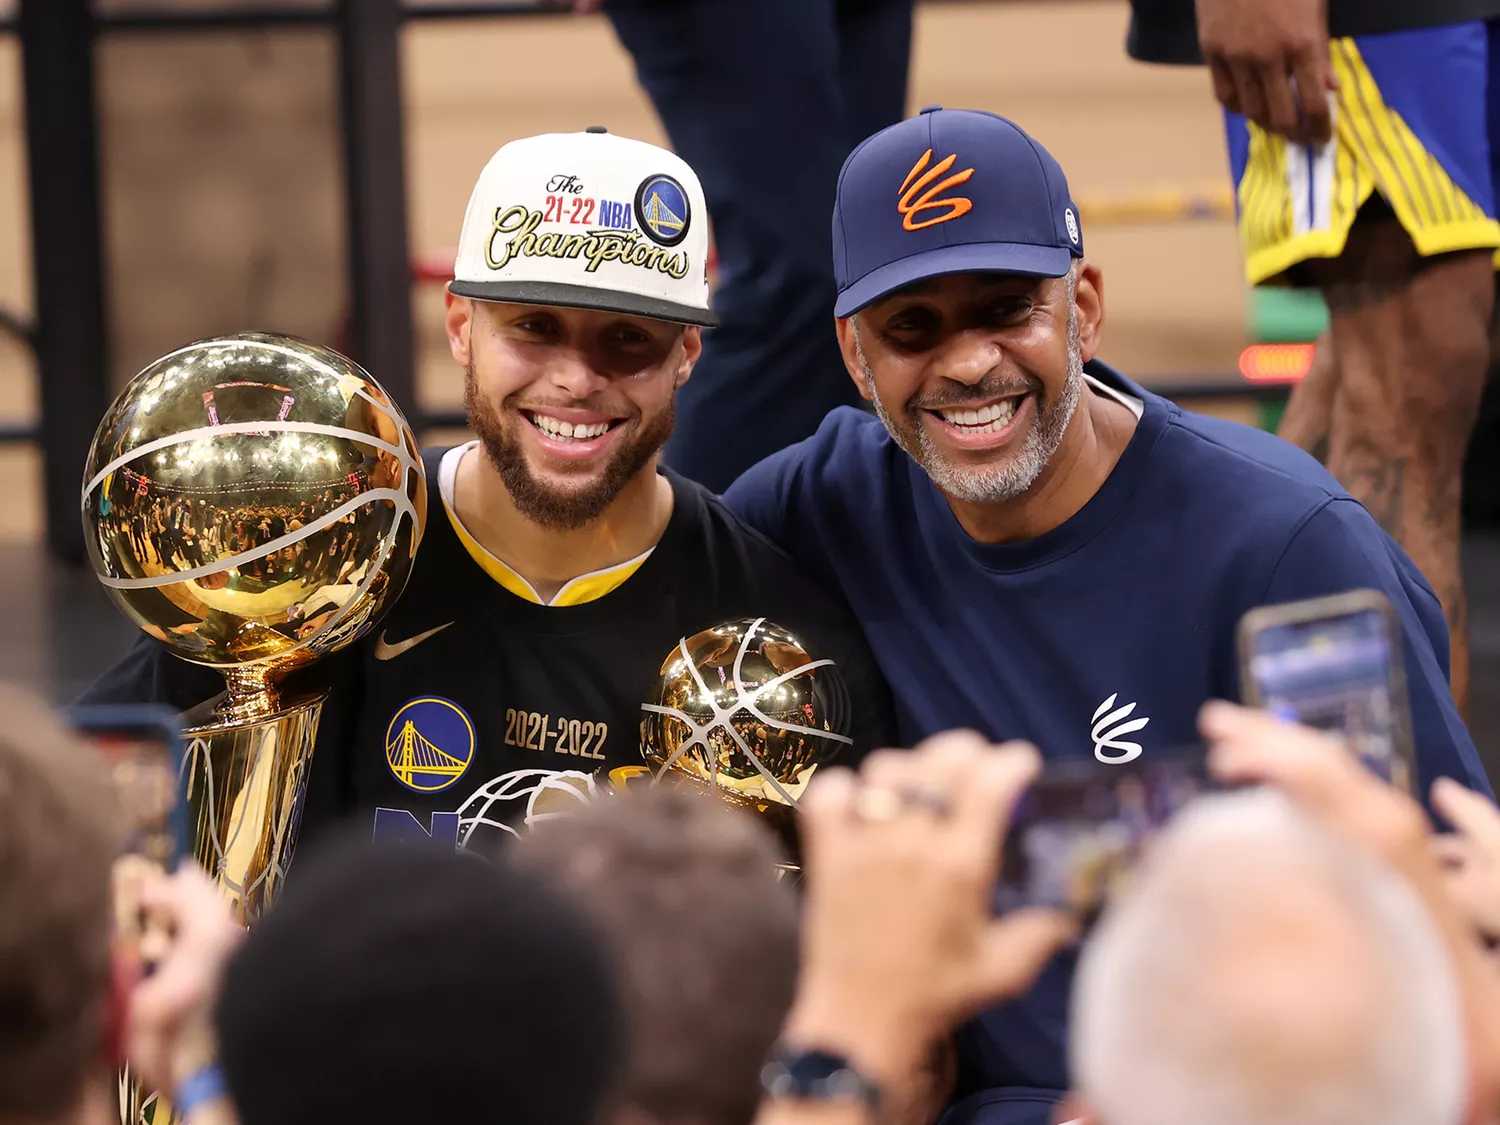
point(744, 710)
point(254, 502)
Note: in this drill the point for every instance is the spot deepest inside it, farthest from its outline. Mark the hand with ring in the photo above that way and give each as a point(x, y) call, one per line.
point(900, 943)
point(876, 804)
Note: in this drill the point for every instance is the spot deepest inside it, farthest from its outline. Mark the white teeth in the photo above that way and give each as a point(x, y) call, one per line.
point(988, 420)
point(568, 431)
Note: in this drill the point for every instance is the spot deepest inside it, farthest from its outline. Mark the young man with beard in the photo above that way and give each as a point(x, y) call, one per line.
point(1037, 547)
point(561, 569)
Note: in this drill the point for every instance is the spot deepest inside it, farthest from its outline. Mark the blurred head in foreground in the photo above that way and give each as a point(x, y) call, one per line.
point(684, 890)
point(1263, 972)
point(58, 821)
point(401, 984)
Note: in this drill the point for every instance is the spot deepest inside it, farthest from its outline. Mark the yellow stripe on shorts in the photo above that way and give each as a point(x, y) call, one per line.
point(1298, 202)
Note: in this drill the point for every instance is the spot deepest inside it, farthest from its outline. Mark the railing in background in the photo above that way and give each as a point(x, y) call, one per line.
point(370, 100)
point(1266, 371)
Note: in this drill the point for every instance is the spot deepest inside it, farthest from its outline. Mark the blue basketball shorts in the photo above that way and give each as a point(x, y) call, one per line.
point(1416, 118)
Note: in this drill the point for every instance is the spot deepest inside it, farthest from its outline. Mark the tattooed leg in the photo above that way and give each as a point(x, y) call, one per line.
point(1309, 410)
point(1410, 339)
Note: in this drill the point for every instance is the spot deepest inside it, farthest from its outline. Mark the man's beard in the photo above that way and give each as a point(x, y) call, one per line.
point(989, 484)
point(559, 509)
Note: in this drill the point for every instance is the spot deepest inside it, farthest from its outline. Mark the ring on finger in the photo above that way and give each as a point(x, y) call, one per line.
point(928, 800)
point(879, 804)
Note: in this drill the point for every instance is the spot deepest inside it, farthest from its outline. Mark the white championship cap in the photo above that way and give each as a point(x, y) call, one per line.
point(591, 221)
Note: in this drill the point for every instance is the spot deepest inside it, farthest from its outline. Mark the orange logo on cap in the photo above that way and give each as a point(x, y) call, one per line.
point(911, 207)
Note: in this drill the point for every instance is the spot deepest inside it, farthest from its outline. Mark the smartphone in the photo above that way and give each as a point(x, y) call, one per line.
point(142, 748)
point(1080, 830)
point(1334, 663)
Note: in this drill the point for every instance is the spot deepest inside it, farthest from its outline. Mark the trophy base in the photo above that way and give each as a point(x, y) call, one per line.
point(244, 766)
point(780, 818)
point(139, 1106)
point(244, 773)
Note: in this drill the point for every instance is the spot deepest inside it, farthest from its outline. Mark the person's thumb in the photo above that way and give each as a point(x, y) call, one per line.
point(1473, 814)
point(1016, 949)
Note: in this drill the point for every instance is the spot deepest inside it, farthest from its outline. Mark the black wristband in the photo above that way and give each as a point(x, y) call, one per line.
point(802, 1074)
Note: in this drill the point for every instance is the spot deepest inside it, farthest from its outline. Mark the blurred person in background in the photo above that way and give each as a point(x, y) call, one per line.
point(765, 98)
point(402, 984)
point(61, 991)
point(1364, 144)
point(703, 931)
point(1263, 971)
point(1037, 546)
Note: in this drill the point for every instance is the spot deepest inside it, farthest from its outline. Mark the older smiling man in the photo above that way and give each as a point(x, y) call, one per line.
point(1037, 547)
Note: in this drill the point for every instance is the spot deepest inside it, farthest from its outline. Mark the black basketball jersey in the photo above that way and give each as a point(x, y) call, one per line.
point(470, 711)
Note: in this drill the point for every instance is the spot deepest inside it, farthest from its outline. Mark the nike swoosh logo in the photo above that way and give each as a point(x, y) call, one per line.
point(385, 651)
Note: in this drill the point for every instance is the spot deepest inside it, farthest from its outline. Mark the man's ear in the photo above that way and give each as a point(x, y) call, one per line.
point(459, 322)
point(1090, 305)
point(692, 350)
point(849, 347)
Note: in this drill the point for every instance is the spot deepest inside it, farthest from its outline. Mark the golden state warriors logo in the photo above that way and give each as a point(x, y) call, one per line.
point(661, 207)
point(429, 744)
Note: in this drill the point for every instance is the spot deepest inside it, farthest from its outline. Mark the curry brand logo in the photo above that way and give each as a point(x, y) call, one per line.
point(1109, 729)
point(911, 204)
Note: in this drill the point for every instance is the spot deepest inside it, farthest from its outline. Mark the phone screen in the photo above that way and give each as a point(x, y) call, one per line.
point(1337, 674)
point(1080, 830)
point(141, 749)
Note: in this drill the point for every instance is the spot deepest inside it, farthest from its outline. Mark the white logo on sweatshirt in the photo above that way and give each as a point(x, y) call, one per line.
point(1109, 730)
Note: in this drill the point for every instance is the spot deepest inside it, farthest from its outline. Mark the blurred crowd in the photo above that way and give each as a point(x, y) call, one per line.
point(1298, 946)
point(168, 530)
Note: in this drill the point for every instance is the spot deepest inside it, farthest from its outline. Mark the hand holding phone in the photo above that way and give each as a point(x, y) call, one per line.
point(1334, 664)
point(142, 749)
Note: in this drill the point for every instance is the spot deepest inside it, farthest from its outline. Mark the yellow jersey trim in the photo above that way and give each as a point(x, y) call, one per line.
point(576, 591)
point(1373, 150)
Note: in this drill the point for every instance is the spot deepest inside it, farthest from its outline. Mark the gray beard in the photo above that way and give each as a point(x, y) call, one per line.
point(991, 484)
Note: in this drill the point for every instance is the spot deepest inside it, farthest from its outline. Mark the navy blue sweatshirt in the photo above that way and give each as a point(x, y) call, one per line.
point(1134, 599)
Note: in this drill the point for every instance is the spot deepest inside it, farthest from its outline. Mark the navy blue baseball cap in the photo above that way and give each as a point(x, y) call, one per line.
point(948, 191)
